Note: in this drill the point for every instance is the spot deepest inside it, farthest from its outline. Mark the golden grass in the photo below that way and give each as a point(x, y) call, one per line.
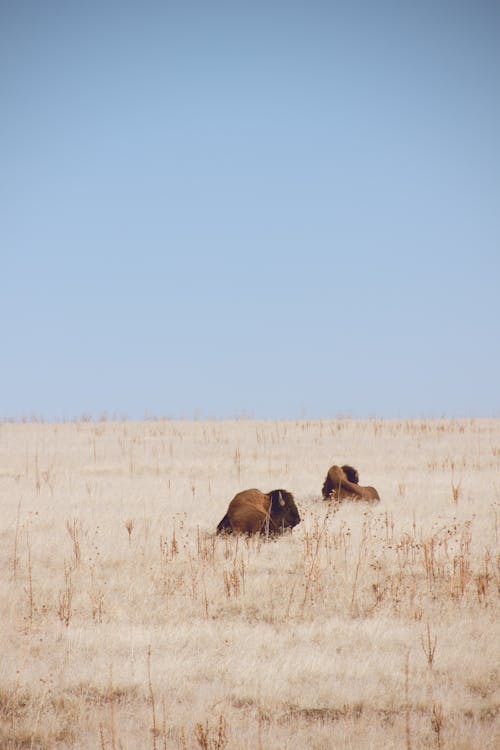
point(126, 623)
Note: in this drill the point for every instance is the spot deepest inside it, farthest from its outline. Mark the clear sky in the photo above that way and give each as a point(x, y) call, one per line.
point(264, 209)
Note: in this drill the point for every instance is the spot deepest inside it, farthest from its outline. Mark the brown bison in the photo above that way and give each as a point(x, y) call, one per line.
point(253, 512)
point(341, 483)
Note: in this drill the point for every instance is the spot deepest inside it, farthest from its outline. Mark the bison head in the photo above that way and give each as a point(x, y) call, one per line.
point(282, 510)
point(351, 473)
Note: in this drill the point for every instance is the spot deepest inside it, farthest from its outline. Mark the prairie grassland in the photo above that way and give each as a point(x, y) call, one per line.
point(126, 623)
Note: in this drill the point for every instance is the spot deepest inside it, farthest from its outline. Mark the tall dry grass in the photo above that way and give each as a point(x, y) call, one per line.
point(126, 623)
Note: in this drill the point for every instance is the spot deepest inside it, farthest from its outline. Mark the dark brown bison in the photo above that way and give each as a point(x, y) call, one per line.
point(253, 512)
point(341, 483)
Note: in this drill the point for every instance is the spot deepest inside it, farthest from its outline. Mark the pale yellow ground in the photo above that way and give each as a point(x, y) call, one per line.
point(125, 623)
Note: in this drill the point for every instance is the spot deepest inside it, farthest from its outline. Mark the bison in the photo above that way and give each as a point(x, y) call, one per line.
point(341, 483)
point(254, 512)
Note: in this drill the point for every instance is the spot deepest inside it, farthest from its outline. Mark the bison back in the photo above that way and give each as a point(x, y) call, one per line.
point(370, 494)
point(248, 512)
point(334, 481)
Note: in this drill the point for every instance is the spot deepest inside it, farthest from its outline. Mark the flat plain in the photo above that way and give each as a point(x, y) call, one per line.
point(127, 623)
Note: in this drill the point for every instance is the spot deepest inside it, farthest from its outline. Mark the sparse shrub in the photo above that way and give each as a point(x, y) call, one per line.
point(65, 601)
point(214, 738)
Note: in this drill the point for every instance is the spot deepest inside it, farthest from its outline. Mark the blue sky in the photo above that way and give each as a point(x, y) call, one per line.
point(269, 209)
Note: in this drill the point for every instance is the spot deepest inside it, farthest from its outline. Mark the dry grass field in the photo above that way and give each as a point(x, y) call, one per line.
point(126, 623)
